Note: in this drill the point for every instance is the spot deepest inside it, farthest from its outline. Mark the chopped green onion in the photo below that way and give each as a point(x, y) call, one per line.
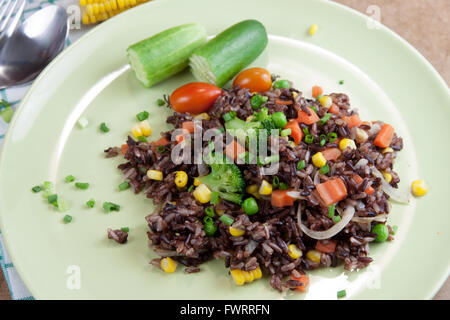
point(336, 219)
point(257, 101)
point(331, 211)
point(341, 81)
point(325, 169)
point(82, 122)
point(214, 198)
point(271, 159)
point(160, 102)
point(7, 114)
point(103, 127)
point(229, 116)
point(209, 211)
point(324, 119)
point(281, 84)
point(91, 203)
point(226, 219)
point(305, 131)
point(285, 132)
point(332, 136)
point(141, 116)
point(341, 294)
point(62, 205)
point(69, 178)
point(192, 188)
point(283, 186)
point(394, 229)
point(109, 206)
point(301, 165)
point(124, 186)
point(209, 229)
point(48, 185)
point(208, 220)
point(82, 185)
point(142, 139)
point(53, 199)
point(67, 218)
point(36, 189)
point(125, 229)
point(160, 149)
point(309, 138)
point(313, 108)
point(322, 140)
point(275, 182)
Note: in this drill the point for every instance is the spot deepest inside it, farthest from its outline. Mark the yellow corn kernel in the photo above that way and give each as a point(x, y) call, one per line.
point(197, 182)
point(294, 94)
point(83, 2)
point(155, 175)
point(248, 276)
point(127, 3)
point(253, 190)
point(168, 265)
point(313, 255)
point(121, 4)
point(387, 150)
point(101, 8)
point(181, 179)
point(325, 101)
point(294, 251)
point(85, 19)
point(107, 6)
point(141, 129)
point(202, 116)
point(361, 135)
point(319, 160)
point(265, 188)
point(133, 3)
point(387, 176)
point(419, 188)
point(92, 18)
point(347, 143)
point(257, 273)
point(238, 277)
point(95, 8)
point(202, 194)
point(220, 212)
point(313, 29)
point(235, 232)
point(113, 4)
point(250, 118)
point(90, 9)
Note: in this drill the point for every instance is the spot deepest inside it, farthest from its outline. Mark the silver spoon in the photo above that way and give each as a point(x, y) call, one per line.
point(32, 46)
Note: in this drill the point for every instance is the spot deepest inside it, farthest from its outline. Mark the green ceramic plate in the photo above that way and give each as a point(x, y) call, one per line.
point(384, 76)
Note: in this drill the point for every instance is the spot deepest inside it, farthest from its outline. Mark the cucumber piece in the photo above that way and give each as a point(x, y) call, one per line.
point(166, 53)
point(229, 52)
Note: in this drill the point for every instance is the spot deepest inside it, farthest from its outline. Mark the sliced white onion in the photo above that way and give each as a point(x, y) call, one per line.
point(360, 205)
point(394, 194)
point(295, 195)
point(316, 178)
point(361, 164)
point(349, 212)
point(378, 218)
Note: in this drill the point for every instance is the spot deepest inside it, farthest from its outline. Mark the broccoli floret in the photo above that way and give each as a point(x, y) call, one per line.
point(225, 179)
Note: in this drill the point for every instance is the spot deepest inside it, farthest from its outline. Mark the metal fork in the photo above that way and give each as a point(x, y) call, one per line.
point(8, 9)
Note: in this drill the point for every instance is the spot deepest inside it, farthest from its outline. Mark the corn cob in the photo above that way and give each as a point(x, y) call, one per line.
point(99, 10)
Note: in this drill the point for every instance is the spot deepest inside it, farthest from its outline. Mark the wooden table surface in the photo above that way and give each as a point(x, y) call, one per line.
point(421, 23)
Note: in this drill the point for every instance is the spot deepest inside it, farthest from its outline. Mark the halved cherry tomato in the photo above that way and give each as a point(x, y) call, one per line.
point(254, 79)
point(194, 97)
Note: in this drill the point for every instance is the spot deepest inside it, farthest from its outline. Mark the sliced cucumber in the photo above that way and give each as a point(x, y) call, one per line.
point(166, 53)
point(229, 52)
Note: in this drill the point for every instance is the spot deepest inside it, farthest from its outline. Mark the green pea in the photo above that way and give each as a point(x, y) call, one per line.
point(250, 206)
point(281, 84)
point(279, 119)
point(257, 101)
point(382, 232)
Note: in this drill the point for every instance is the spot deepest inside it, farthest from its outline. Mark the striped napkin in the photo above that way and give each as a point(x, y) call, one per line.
point(14, 95)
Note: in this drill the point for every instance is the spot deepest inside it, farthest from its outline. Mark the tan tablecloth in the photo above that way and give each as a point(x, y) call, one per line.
point(420, 22)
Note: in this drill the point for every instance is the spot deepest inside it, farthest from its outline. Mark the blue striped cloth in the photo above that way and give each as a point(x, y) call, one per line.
point(13, 95)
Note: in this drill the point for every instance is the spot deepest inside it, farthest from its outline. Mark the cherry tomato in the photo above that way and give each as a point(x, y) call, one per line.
point(194, 97)
point(254, 79)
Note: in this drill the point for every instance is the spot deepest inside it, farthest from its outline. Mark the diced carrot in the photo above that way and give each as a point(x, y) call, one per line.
point(304, 280)
point(332, 191)
point(331, 154)
point(123, 148)
point(188, 125)
point(369, 190)
point(234, 149)
point(280, 198)
point(285, 102)
point(353, 121)
point(316, 91)
point(160, 142)
point(296, 132)
point(334, 109)
point(384, 136)
point(305, 118)
point(326, 246)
